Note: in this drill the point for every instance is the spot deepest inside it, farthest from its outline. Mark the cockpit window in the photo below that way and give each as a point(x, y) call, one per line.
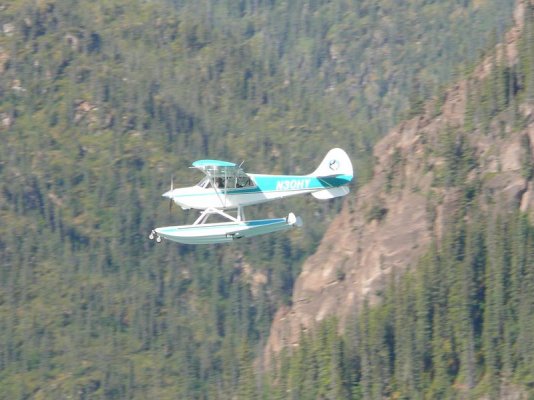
point(231, 182)
point(243, 181)
point(204, 183)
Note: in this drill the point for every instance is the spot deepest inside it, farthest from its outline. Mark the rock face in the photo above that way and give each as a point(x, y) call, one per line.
point(387, 225)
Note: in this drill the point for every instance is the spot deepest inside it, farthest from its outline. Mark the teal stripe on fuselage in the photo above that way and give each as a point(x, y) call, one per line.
point(335, 181)
point(269, 183)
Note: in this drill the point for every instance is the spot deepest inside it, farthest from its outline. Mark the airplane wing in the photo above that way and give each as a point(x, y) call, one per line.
point(213, 163)
point(216, 168)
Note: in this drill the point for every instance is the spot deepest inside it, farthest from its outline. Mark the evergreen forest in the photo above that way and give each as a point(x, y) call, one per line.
point(102, 103)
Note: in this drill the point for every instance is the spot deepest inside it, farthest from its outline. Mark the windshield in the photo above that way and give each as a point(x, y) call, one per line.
point(204, 183)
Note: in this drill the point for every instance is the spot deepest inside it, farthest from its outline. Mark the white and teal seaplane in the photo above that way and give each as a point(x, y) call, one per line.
point(227, 189)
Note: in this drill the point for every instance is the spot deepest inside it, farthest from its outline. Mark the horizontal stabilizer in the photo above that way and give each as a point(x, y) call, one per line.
point(331, 193)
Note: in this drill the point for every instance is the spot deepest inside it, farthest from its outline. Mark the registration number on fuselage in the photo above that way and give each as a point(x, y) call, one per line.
point(293, 184)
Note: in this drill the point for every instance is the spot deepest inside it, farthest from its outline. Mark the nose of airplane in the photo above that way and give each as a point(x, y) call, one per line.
point(168, 194)
point(175, 195)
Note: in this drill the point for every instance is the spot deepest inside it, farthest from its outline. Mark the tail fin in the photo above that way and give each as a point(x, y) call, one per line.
point(336, 162)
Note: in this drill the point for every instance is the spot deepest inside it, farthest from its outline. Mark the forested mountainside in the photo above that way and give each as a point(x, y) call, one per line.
point(102, 102)
point(451, 201)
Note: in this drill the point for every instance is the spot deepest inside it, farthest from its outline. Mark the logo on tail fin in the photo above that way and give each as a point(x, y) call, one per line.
point(333, 164)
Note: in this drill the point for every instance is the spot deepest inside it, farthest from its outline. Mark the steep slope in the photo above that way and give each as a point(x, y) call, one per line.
point(467, 140)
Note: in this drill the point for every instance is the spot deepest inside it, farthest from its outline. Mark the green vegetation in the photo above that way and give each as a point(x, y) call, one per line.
point(101, 102)
point(460, 324)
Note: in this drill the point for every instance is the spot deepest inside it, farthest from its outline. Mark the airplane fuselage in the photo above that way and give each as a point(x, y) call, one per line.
point(264, 188)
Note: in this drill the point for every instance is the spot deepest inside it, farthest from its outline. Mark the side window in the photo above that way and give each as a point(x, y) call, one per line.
point(244, 181)
point(230, 182)
point(219, 183)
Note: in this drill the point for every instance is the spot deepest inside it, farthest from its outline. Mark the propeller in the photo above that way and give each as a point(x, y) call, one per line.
point(170, 197)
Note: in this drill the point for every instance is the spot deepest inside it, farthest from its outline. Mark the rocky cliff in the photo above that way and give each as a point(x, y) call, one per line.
point(389, 223)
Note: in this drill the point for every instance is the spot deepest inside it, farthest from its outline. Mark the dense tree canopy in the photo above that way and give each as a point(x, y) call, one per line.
point(460, 324)
point(101, 102)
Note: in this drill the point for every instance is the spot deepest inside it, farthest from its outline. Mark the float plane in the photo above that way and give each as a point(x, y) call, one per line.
point(226, 188)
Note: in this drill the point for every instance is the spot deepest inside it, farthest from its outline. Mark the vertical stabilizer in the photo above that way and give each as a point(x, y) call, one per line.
point(336, 162)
